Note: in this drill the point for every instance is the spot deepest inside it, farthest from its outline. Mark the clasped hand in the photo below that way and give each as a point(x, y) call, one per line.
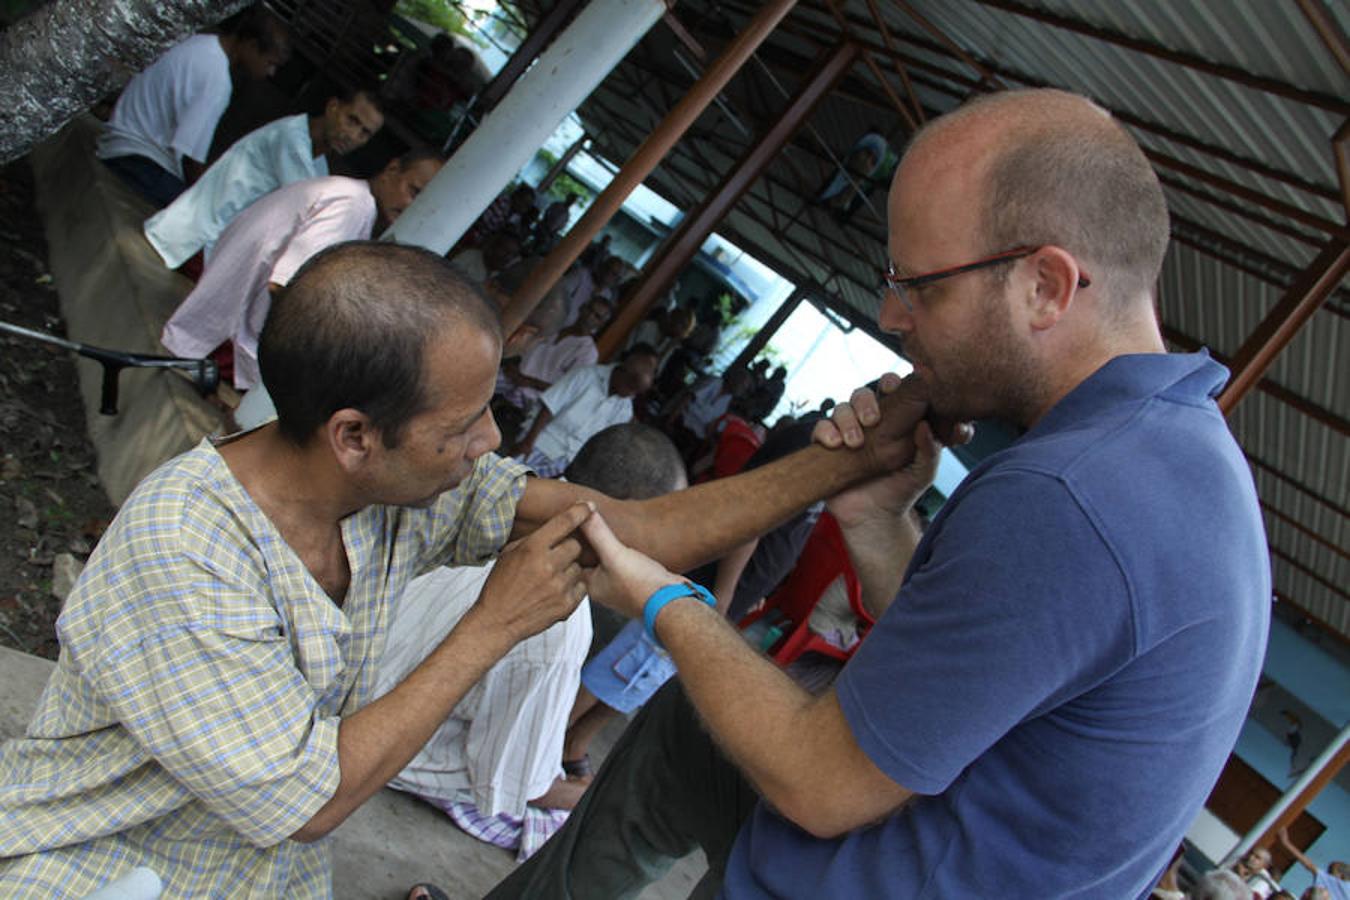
point(905, 438)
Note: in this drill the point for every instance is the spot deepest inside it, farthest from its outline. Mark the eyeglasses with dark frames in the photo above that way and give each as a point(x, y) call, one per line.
point(902, 286)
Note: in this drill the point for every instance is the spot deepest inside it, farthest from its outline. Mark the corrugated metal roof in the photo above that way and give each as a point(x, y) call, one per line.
point(1225, 272)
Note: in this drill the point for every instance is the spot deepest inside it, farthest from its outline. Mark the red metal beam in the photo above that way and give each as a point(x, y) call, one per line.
point(969, 84)
point(1304, 568)
point(1188, 60)
point(1296, 485)
point(1304, 530)
point(1328, 31)
point(1274, 389)
point(1303, 298)
point(694, 229)
point(644, 160)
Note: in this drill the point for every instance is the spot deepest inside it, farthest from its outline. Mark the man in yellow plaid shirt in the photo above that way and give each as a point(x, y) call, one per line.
point(209, 716)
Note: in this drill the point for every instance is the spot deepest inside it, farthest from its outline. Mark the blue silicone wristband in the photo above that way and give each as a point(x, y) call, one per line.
point(658, 600)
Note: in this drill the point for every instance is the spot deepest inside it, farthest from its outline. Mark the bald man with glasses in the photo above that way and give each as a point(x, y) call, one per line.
point(1067, 654)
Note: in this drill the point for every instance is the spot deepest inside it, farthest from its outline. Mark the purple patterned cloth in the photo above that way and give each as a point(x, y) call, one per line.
point(525, 836)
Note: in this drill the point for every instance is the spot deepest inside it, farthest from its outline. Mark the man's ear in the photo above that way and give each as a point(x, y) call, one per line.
point(1056, 277)
point(352, 438)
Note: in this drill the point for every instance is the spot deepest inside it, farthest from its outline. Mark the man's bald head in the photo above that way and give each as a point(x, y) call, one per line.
point(350, 331)
point(1056, 169)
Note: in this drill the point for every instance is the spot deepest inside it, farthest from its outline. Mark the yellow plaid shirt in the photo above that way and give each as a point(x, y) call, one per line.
point(191, 722)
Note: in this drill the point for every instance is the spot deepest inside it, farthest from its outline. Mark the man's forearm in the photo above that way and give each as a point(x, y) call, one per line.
point(527, 443)
point(796, 749)
point(880, 554)
point(688, 528)
point(376, 742)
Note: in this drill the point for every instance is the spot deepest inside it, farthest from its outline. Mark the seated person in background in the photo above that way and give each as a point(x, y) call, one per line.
point(494, 766)
point(544, 236)
point(664, 330)
point(582, 403)
point(480, 265)
point(218, 653)
point(288, 150)
point(1254, 869)
point(691, 421)
point(170, 111)
point(583, 282)
point(268, 242)
point(1335, 880)
point(538, 369)
point(629, 668)
point(508, 212)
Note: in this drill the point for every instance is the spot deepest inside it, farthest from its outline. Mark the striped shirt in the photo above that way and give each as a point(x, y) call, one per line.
point(191, 722)
point(502, 745)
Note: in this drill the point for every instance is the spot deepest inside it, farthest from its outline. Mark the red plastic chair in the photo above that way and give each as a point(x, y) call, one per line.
point(824, 558)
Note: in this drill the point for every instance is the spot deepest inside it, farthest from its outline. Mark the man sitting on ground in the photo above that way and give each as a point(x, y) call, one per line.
point(498, 253)
point(279, 153)
point(169, 112)
point(543, 365)
point(1074, 643)
point(582, 403)
point(268, 242)
point(218, 652)
point(495, 765)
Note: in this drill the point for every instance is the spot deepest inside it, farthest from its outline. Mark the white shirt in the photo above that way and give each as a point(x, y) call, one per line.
point(265, 243)
point(275, 155)
point(503, 742)
point(581, 405)
point(549, 361)
point(171, 109)
point(706, 406)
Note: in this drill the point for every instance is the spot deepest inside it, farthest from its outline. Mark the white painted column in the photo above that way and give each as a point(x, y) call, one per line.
point(562, 77)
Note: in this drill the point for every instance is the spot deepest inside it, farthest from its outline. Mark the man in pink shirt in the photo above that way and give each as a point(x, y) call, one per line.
point(268, 242)
point(524, 379)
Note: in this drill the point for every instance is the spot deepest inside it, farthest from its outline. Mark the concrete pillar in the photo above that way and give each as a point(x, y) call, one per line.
point(679, 248)
point(577, 61)
point(644, 160)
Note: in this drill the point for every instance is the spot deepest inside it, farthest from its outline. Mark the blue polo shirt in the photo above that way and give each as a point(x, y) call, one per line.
point(1066, 666)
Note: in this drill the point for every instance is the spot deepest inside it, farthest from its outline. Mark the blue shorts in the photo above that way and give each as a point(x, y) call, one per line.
point(631, 668)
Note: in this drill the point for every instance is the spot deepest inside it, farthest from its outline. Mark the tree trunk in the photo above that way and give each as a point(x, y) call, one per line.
point(55, 63)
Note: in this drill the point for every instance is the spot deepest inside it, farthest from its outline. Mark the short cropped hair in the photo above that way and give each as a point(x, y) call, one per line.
point(1220, 884)
point(417, 155)
point(259, 25)
point(631, 461)
point(1075, 181)
point(367, 94)
point(641, 348)
point(350, 331)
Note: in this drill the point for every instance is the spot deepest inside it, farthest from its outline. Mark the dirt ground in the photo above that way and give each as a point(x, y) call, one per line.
point(52, 507)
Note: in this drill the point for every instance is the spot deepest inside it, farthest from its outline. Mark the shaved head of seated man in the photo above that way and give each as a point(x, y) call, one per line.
point(1063, 660)
point(218, 652)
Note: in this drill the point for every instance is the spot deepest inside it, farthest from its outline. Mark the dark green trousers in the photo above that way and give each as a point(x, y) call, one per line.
point(664, 791)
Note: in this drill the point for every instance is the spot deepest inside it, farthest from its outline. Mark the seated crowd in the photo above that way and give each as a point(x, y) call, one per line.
point(356, 589)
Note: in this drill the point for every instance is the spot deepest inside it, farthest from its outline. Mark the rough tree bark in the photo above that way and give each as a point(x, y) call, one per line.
point(58, 61)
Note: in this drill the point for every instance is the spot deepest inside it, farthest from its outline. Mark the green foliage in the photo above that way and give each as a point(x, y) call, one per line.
point(565, 184)
point(441, 14)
